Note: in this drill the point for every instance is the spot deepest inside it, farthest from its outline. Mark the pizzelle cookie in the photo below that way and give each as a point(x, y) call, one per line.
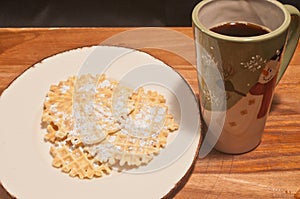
point(95, 123)
point(144, 132)
point(57, 113)
point(76, 162)
point(59, 118)
point(93, 119)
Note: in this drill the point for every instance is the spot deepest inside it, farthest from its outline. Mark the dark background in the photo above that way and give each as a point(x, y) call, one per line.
point(75, 13)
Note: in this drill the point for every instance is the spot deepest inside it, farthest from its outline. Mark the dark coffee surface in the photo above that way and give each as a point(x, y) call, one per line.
point(239, 29)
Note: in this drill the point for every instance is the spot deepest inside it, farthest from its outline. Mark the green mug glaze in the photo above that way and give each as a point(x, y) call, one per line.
point(237, 75)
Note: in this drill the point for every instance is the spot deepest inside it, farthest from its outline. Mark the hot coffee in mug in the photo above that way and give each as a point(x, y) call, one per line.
point(240, 29)
point(243, 48)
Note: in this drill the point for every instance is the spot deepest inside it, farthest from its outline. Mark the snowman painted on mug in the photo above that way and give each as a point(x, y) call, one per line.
point(247, 111)
point(255, 104)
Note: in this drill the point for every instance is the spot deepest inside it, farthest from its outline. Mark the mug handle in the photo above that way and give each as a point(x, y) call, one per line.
point(292, 41)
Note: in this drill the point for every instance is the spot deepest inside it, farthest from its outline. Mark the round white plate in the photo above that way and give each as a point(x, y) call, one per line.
point(25, 168)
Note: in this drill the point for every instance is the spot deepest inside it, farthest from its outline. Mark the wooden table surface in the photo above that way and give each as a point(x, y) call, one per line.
point(272, 170)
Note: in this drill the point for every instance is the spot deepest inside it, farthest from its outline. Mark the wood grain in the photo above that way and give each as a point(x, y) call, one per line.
point(272, 170)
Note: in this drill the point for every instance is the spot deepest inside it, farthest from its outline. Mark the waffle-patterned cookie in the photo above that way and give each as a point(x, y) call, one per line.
point(93, 111)
point(77, 163)
point(57, 113)
point(144, 132)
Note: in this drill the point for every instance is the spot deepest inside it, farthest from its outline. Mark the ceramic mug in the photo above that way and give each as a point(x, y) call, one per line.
point(238, 69)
